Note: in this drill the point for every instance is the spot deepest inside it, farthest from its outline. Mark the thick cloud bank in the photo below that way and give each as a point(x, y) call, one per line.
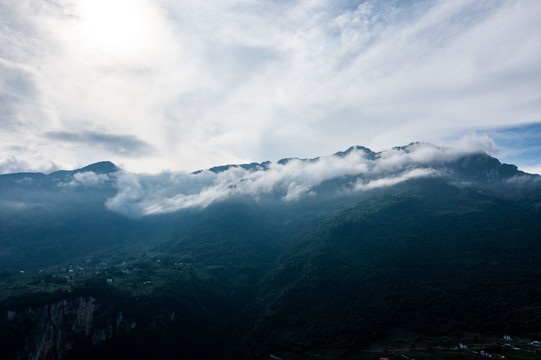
point(291, 180)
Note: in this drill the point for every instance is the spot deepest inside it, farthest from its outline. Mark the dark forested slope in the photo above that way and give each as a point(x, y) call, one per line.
point(247, 275)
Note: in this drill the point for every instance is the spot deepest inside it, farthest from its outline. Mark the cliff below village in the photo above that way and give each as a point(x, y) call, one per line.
point(51, 331)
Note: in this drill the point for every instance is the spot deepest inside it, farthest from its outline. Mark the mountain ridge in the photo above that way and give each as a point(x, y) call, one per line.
point(107, 167)
point(316, 258)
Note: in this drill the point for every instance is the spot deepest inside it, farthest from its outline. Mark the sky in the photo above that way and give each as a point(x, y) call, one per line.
point(155, 85)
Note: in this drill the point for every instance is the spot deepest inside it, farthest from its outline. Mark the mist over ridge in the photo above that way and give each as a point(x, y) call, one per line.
point(292, 179)
point(357, 169)
point(289, 179)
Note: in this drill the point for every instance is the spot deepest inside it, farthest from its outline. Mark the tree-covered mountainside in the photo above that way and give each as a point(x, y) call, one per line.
point(432, 259)
point(433, 245)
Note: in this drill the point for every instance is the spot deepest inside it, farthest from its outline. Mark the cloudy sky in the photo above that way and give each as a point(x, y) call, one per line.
point(185, 85)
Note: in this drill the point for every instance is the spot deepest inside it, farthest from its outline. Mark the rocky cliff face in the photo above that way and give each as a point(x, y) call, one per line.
point(52, 330)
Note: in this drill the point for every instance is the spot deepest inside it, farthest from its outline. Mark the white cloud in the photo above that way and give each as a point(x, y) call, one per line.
point(214, 82)
point(140, 195)
point(393, 180)
point(475, 142)
point(88, 179)
point(13, 165)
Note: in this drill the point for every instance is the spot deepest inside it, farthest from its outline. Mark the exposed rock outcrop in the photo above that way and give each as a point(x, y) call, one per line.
point(52, 330)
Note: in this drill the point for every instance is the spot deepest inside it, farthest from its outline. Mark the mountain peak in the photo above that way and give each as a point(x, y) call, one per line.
point(369, 153)
point(413, 145)
point(102, 167)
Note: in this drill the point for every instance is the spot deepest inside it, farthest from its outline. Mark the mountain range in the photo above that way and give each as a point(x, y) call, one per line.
point(303, 258)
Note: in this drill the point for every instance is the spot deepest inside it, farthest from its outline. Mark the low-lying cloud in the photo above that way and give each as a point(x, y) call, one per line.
point(86, 178)
point(140, 195)
point(393, 180)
